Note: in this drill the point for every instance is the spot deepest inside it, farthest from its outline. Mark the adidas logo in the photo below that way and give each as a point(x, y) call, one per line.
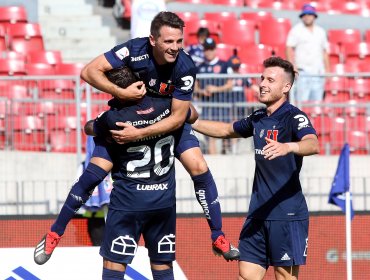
point(285, 257)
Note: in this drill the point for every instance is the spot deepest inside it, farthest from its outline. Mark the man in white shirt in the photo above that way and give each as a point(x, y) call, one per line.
point(307, 50)
point(142, 13)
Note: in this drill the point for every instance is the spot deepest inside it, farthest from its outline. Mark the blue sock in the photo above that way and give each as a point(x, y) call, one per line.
point(79, 194)
point(109, 274)
point(166, 274)
point(207, 196)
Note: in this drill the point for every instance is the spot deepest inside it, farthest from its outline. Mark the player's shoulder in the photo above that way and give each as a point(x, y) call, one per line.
point(185, 62)
point(137, 46)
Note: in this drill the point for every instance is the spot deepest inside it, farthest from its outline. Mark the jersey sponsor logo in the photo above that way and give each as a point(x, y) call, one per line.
point(154, 187)
point(303, 121)
point(140, 57)
point(272, 134)
point(145, 112)
point(122, 53)
point(201, 195)
point(188, 82)
point(152, 121)
point(166, 89)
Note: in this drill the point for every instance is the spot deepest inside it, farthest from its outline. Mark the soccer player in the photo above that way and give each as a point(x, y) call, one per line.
point(275, 232)
point(167, 71)
point(143, 198)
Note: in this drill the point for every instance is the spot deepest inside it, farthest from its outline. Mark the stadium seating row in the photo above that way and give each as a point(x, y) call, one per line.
point(357, 7)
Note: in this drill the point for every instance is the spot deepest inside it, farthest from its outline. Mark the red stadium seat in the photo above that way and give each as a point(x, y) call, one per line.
point(205, 2)
point(225, 51)
point(356, 52)
point(220, 16)
point(14, 91)
point(255, 54)
point(277, 5)
point(344, 36)
point(274, 31)
point(360, 87)
point(69, 69)
point(358, 142)
point(188, 16)
point(39, 69)
point(335, 54)
point(321, 6)
point(248, 69)
point(3, 43)
point(12, 55)
point(25, 37)
point(47, 57)
point(344, 7)
point(13, 14)
point(28, 133)
point(57, 89)
point(338, 88)
point(244, 29)
point(63, 142)
point(230, 3)
point(12, 67)
point(257, 17)
point(190, 30)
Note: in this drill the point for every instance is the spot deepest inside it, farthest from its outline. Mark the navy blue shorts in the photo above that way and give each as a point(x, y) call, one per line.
point(275, 243)
point(123, 230)
point(187, 140)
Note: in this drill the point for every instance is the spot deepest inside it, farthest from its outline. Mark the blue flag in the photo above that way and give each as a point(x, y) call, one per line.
point(341, 181)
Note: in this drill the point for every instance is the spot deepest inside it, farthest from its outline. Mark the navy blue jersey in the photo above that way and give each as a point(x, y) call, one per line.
point(277, 192)
point(143, 171)
point(196, 52)
point(172, 79)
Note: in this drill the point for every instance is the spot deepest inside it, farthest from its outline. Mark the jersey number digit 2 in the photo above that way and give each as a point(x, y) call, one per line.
point(147, 156)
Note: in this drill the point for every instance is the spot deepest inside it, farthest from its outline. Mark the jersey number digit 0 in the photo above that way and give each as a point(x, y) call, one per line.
point(146, 151)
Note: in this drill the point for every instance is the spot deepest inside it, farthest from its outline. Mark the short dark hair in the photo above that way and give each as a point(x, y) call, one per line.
point(122, 76)
point(165, 19)
point(275, 61)
point(203, 31)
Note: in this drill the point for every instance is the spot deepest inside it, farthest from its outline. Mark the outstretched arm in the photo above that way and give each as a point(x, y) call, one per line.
point(215, 129)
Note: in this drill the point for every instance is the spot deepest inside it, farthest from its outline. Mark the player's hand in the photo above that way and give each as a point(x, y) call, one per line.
point(128, 134)
point(136, 91)
point(274, 149)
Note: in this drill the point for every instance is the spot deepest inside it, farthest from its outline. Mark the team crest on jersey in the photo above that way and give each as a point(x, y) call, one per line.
point(166, 89)
point(152, 82)
point(122, 53)
point(262, 132)
point(216, 69)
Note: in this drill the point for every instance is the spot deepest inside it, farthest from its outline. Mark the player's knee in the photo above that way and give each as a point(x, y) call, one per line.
point(194, 162)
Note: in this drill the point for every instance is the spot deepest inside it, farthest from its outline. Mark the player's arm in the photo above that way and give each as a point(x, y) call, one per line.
point(179, 112)
point(210, 89)
point(89, 128)
point(93, 74)
point(215, 129)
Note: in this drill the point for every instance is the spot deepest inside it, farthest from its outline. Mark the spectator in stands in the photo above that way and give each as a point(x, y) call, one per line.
point(307, 49)
point(196, 51)
point(239, 86)
point(214, 90)
point(142, 13)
